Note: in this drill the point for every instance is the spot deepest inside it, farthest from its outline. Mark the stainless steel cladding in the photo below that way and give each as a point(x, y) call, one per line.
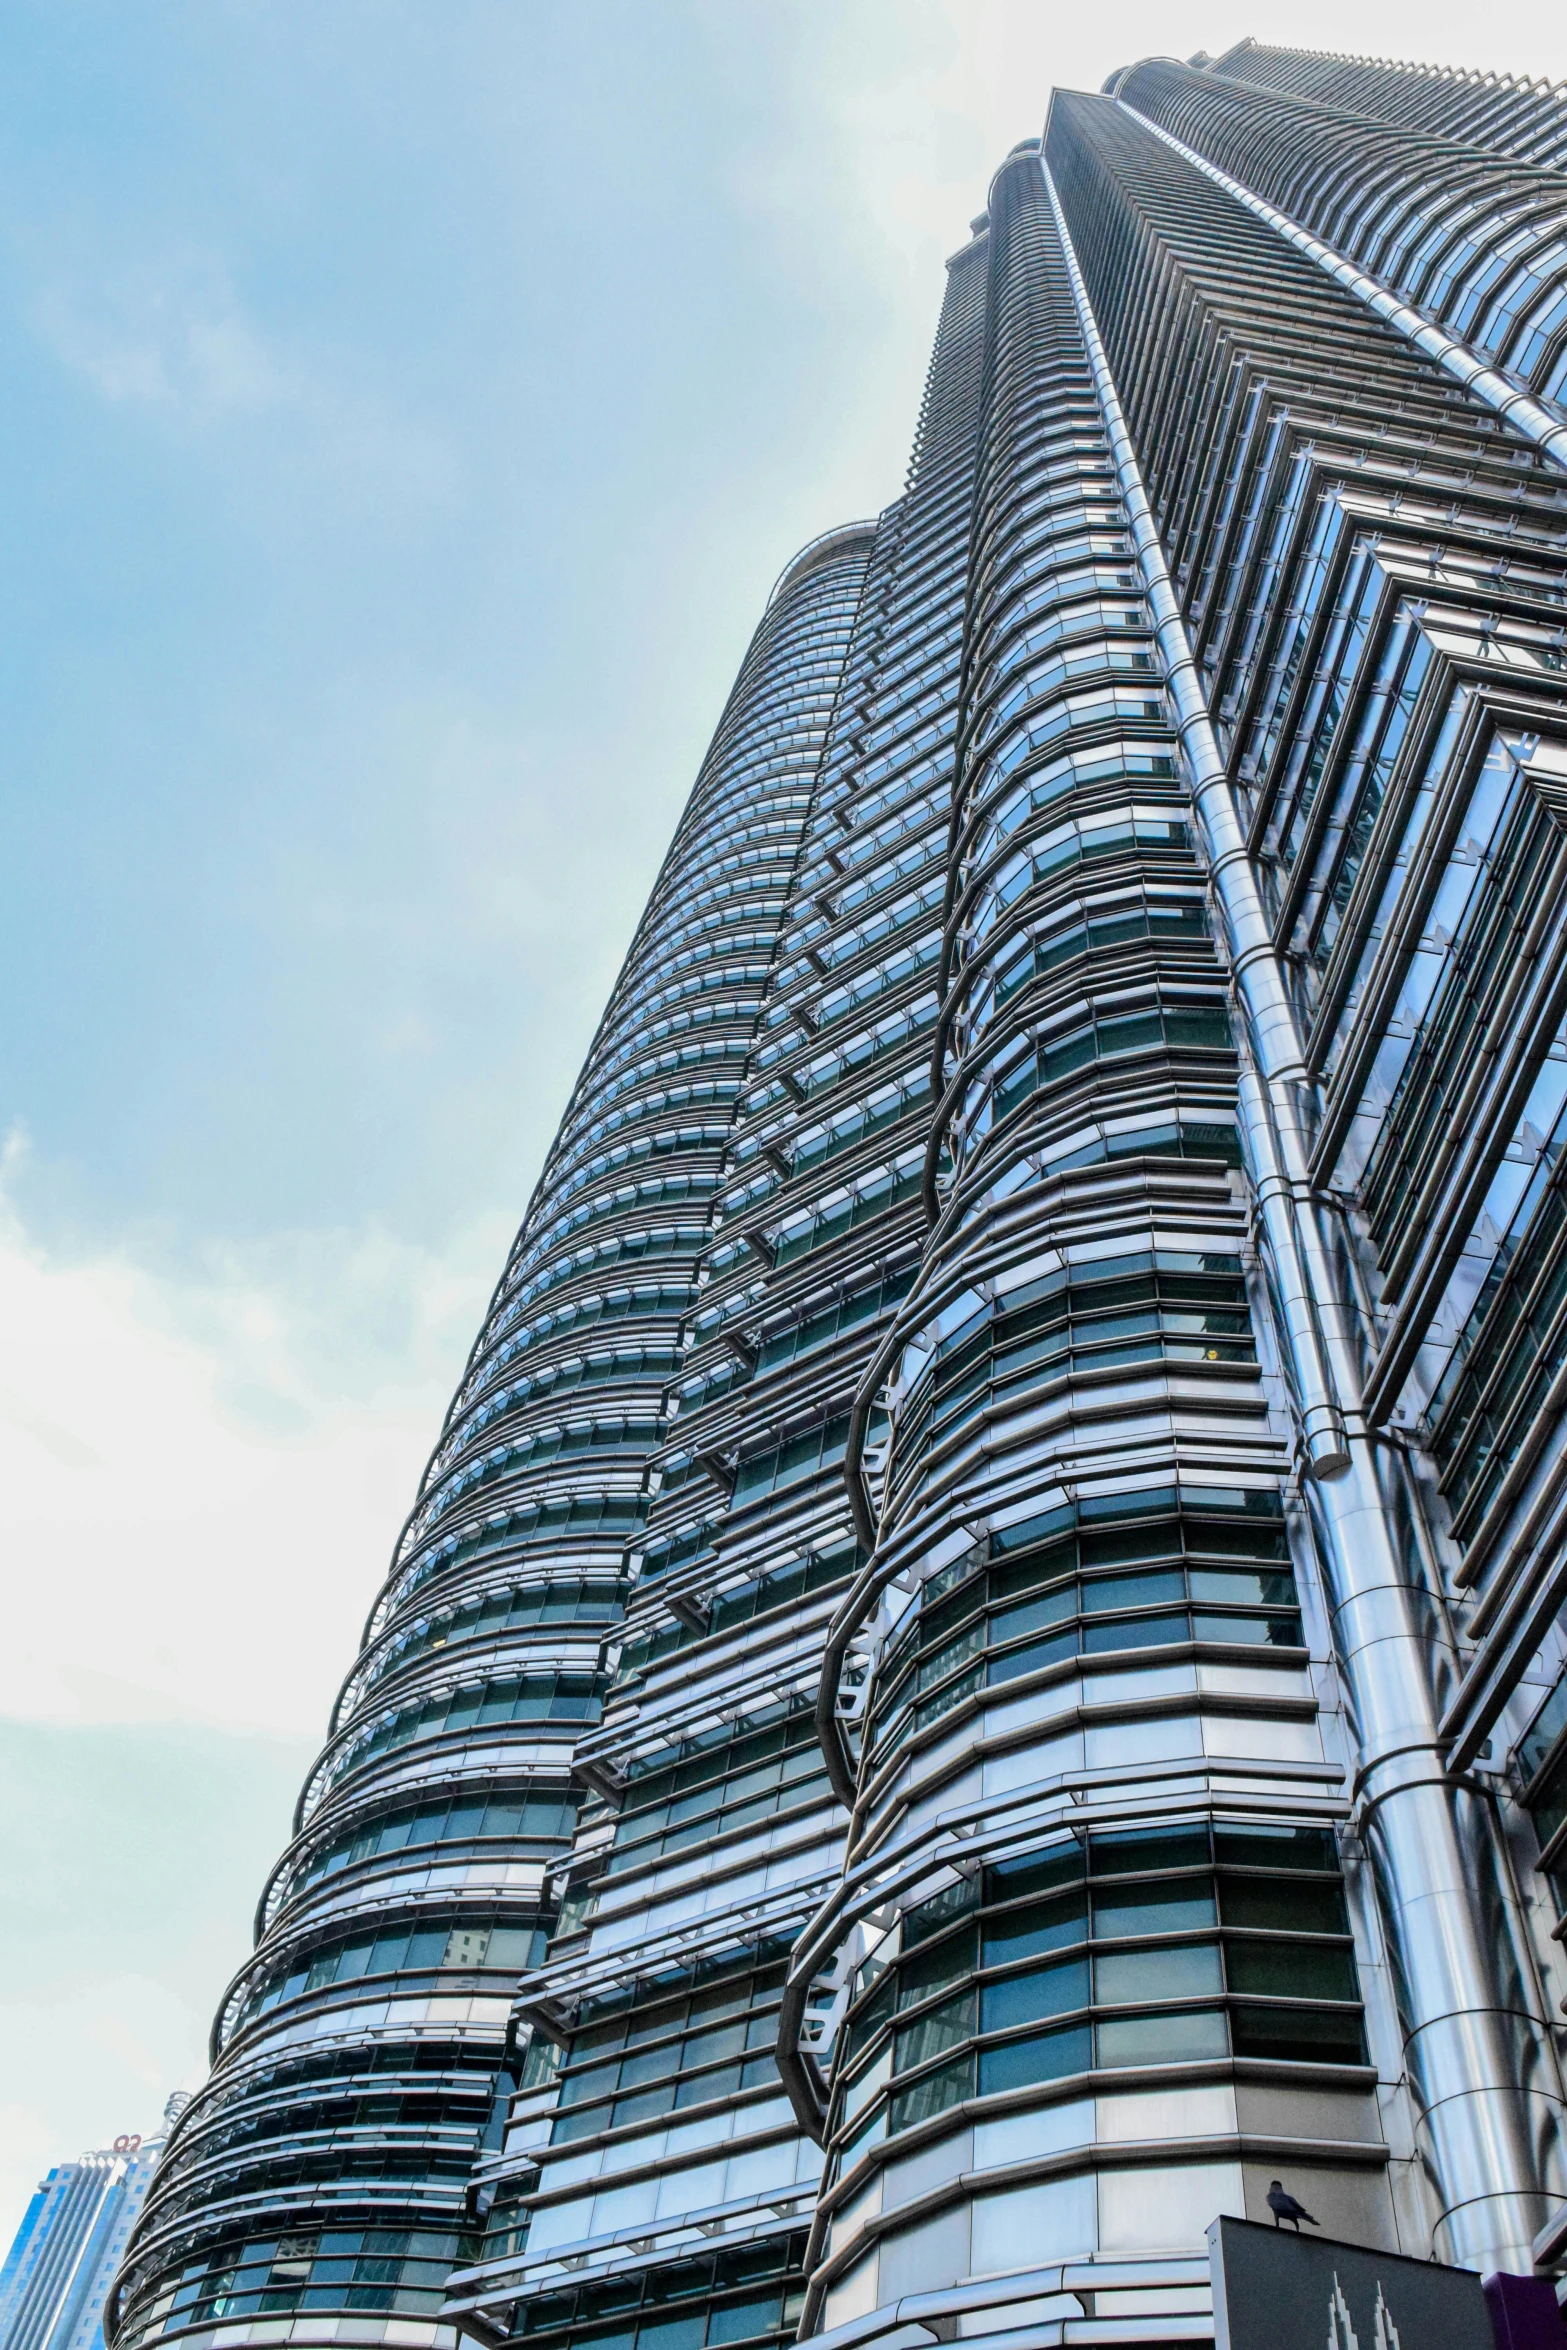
point(978, 1675)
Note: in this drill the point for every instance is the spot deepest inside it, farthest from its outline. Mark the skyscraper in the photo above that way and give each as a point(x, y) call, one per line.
point(72, 2238)
point(977, 1672)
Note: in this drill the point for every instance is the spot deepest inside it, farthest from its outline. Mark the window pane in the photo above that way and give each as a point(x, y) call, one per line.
point(940, 2029)
point(651, 2064)
point(697, 2088)
point(1113, 1591)
point(1161, 2039)
point(1029, 1999)
point(1244, 1587)
point(712, 2047)
point(948, 2085)
point(1124, 1976)
point(757, 2315)
point(1274, 1901)
point(1134, 1632)
point(1257, 1847)
point(1118, 1853)
point(1032, 1659)
point(1298, 2035)
point(1153, 1909)
point(1029, 1933)
point(945, 1963)
point(1033, 1615)
point(1047, 2056)
point(1059, 1864)
point(1295, 1970)
point(643, 2108)
point(1249, 1631)
point(672, 2333)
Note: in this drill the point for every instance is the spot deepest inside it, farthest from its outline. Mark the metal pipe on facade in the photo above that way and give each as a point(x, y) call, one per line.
point(1271, 1038)
point(1479, 2056)
point(1527, 415)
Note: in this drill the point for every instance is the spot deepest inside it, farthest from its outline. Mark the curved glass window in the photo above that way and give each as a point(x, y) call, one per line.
point(1049, 1061)
point(873, 1192)
point(665, 2054)
point(817, 1329)
point(573, 1514)
point(250, 2131)
point(553, 1379)
point(784, 1464)
point(1054, 673)
point(757, 1596)
point(1110, 707)
point(857, 1122)
point(615, 1305)
point(315, 2268)
point(505, 1611)
point(1046, 785)
point(618, 1248)
point(551, 1816)
point(398, 1949)
point(626, 1199)
point(1092, 614)
point(1116, 833)
point(1098, 931)
point(513, 1697)
point(1128, 1948)
point(889, 1034)
point(751, 2293)
point(1166, 1569)
point(730, 1784)
point(539, 1450)
point(1043, 586)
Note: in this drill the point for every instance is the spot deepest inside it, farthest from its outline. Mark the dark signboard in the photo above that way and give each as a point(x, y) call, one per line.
point(1276, 2290)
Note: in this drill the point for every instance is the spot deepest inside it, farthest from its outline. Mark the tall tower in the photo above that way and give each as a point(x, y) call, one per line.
point(978, 1670)
point(64, 2256)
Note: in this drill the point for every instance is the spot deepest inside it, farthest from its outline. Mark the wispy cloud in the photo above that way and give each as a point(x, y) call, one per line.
point(131, 1859)
point(163, 333)
point(169, 335)
point(202, 1475)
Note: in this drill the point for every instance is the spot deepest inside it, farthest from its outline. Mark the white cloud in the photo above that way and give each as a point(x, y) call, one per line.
point(163, 333)
point(171, 336)
point(927, 134)
point(202, 1474)
point(201, 1478)
point(88, 2062)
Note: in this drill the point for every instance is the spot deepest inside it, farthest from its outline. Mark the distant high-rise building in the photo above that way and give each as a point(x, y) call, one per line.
point(73, 2235)
point(984, 1634)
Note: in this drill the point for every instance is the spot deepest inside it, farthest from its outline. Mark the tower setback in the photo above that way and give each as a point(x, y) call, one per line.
point(977, 1676)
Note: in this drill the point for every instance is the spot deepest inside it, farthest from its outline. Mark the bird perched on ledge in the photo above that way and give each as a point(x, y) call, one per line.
point(1284, 2207)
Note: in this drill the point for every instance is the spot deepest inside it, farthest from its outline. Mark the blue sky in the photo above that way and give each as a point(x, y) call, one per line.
point(406, 411)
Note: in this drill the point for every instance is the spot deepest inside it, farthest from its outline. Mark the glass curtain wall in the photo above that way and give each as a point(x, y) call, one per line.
point(1508, 114)
point(365, 2057)
point(978, 1672)
point(1087, 1611)
point(1474, 239)
point(655, 2156)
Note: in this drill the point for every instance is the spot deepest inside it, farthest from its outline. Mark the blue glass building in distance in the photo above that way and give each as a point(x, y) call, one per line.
point(73, 2235)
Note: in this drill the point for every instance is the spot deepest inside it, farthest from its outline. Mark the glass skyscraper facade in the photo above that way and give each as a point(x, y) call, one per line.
point(978, 1671)
point(72, 2238)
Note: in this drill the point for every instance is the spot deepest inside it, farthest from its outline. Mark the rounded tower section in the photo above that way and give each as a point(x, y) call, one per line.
point(1092, 1898)
point(361, 2059)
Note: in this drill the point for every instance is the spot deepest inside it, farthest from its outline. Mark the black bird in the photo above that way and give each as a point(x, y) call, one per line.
point(1284, 2207)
